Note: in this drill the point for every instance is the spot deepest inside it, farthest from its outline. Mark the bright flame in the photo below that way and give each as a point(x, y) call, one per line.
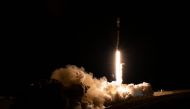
point(118, 67)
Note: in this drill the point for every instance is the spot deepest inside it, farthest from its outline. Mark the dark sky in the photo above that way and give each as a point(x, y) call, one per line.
point(153, 41)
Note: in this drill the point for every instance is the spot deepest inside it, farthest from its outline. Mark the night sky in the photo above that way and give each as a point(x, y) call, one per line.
point(153, 41)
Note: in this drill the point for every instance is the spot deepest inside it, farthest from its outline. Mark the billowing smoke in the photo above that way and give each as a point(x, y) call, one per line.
point(96, 92)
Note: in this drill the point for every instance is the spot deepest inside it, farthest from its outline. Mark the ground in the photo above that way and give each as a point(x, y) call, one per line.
point(177, 99)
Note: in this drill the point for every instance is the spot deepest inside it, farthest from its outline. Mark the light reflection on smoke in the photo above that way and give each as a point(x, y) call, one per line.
point(98, 91)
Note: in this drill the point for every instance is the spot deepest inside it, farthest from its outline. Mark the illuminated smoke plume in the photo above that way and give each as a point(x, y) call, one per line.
point(99, 91)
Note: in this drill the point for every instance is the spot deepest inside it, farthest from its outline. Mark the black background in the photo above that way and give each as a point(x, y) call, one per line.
point(38, 39)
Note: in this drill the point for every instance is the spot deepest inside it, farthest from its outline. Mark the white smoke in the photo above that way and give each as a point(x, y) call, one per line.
point(99, 91)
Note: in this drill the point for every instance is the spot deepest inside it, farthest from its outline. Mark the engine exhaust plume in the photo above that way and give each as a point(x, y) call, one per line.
point(118, 67)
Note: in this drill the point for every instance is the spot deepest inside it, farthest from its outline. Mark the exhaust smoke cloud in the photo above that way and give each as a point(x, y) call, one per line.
point(98, 92)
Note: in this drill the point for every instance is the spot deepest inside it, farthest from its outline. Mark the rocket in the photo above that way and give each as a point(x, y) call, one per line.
point(118, 27)
point(117, 43)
